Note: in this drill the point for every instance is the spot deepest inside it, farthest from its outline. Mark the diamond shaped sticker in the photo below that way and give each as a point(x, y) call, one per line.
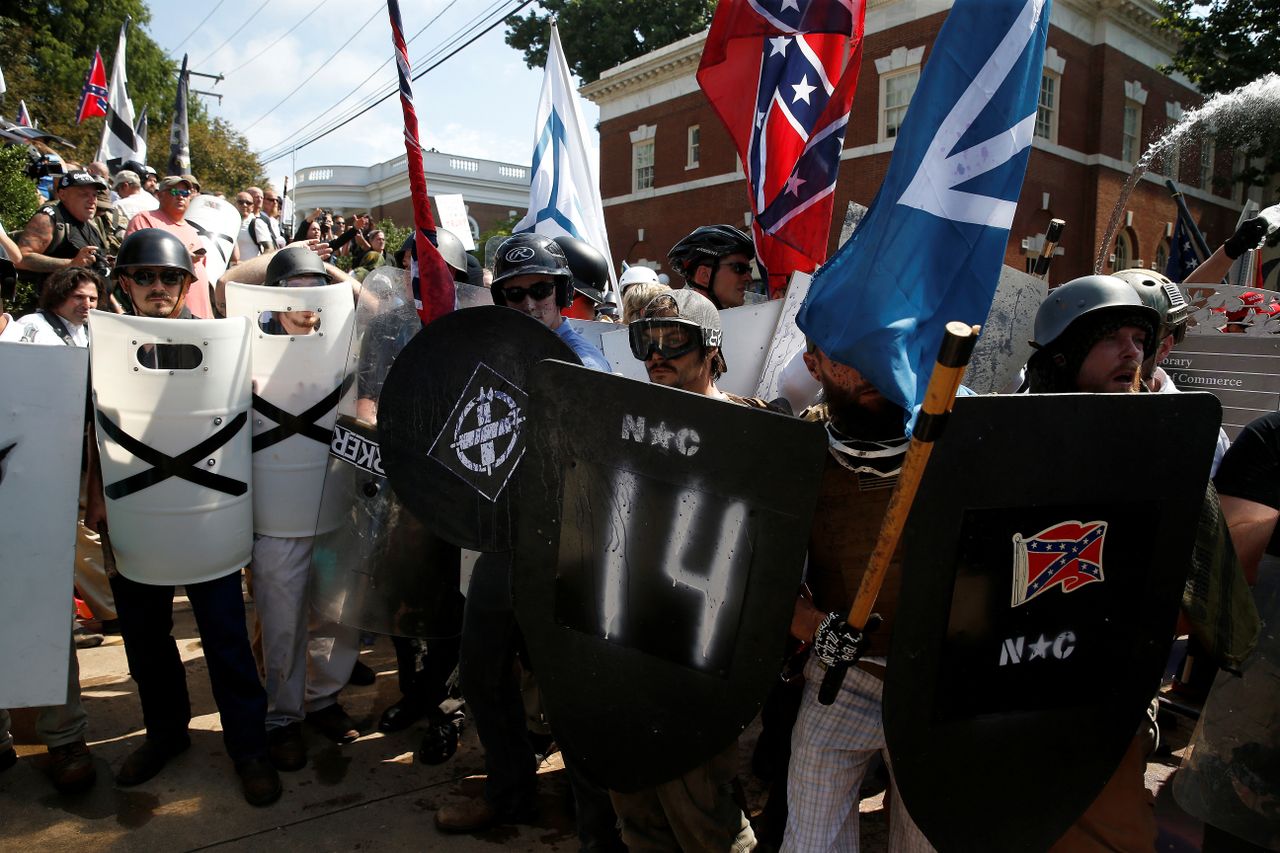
point(482, 441)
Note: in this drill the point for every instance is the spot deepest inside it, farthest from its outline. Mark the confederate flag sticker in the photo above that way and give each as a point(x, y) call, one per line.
point(1068, 555)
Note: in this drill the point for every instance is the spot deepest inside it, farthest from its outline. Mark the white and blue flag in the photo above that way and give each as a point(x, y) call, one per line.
point(930, 248)
point(564, 195)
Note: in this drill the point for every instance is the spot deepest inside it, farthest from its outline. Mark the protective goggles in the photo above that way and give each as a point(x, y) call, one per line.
point(668, 338)
point(538, 290)
point(169, 278)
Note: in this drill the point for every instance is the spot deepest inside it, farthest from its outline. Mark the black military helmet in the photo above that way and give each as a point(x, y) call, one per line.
point(589, 268)
point(294, 261)
point(142, 170)
point(153, 247)
point(1093, 296)
point(706, 245)
point(532, 254)
point(451, 250)
point(1161, 294)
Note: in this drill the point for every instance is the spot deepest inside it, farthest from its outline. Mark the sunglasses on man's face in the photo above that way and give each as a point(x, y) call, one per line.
point(244, 202)
point(271, 199)
point(177, 193)
point(169, 278)
point(737, 268)
point(538, 290)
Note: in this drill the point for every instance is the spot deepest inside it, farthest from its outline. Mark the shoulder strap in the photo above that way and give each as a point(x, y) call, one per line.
point(56, 322)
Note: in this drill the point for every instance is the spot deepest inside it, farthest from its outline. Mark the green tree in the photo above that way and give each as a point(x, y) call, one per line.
point(599, 34)
point(18, 200)
point(1223, 45)
point(54, 40)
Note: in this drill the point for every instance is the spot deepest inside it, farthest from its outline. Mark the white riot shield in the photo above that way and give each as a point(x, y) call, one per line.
point(172, 416)
point(298, 380)
point(218, 223)
point(41, 430)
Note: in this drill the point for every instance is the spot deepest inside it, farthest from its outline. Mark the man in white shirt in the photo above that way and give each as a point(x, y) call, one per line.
point(65, 302)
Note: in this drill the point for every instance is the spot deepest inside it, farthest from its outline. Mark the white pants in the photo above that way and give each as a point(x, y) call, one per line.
point(831, 747)
point(307, 660)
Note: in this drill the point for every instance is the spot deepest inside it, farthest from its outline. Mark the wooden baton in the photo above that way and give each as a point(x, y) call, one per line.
point(939, 398)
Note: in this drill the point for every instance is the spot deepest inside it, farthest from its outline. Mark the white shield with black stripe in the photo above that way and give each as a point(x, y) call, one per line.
point(300, 338)
point(41, 436)
point(172, 400)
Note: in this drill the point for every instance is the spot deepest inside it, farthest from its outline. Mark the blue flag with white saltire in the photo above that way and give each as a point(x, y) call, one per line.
point(930, 248)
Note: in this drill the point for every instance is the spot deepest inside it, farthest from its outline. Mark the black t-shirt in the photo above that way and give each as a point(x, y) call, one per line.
point(1251, 468)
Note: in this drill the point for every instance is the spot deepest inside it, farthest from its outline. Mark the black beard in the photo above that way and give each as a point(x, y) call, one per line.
point(887, 422)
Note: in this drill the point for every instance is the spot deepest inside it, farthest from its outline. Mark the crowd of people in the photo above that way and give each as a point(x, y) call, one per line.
point(85, 249)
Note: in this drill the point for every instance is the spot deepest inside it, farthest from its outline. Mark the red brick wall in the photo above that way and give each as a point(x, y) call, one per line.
point(1090, 122)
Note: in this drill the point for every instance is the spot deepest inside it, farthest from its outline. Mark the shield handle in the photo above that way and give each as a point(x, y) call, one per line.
point(939, 397)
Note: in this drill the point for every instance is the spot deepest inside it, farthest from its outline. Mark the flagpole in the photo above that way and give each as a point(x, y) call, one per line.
point(1197, 239)
point(436, 293)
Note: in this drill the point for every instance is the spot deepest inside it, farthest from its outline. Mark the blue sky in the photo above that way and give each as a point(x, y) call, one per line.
point(480, 103)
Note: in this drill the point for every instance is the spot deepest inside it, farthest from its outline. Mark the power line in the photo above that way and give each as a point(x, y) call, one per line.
point(279, 39)
point(372, 74)
point(173, 51)
point(319, 68)
point(287, 149)
point(256, 12)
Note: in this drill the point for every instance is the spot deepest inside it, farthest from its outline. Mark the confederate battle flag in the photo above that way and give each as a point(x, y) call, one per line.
point(1067, 555)
point(789, 128)
point(93, 98)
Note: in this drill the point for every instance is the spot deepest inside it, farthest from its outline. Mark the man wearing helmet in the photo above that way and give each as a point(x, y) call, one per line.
point(1094, 334)
point(678, 337)
point(155, 269)
point(531, 274)
point(715, 260)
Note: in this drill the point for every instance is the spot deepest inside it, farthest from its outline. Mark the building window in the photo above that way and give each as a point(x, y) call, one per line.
point(896, 90)
point(642, 165)
point(1207, 154)
point(1130, 148)
point(1047, 107)
point(1124, 251)
point(694, 147)
point(1162, 256)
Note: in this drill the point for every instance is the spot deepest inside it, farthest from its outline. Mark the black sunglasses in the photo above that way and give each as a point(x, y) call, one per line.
point(538, 290)
point(737, 267)
point(169, 278)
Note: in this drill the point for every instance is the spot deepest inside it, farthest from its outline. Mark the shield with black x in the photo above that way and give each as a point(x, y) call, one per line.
point(182, 465)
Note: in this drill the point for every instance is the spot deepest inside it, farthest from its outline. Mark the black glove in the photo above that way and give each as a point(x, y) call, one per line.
point(1247, 236)
point(838, 642)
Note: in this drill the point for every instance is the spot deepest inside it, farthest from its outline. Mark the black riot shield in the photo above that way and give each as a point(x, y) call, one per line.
point(1044, 563)
point(451, 421)
point(657, 564)
point(379, 570)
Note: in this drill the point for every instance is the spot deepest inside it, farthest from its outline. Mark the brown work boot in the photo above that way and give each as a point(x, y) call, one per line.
point(286, 748)
point(71, 767)
point(148, 760)
point(260, 781)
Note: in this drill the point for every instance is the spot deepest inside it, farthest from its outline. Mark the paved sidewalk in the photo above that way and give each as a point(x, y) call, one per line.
point(367, 796)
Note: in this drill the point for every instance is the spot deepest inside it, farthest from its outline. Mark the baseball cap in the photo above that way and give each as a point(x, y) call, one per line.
point(126, 176)
point(81, 178)
point(170, 181)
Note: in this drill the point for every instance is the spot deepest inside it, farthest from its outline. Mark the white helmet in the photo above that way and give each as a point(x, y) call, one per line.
point(636, 275)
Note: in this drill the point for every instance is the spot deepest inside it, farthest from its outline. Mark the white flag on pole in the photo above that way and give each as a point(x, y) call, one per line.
point(564, 195)
point(118, 141)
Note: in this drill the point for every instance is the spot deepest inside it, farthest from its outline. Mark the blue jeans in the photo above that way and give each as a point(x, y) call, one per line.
point(146, 624)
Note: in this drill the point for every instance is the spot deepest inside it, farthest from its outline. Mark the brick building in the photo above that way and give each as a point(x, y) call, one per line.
point(667, 165)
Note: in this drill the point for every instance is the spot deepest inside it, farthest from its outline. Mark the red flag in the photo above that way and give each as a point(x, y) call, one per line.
point(789, 128)
point(24, 117)
point(433, 291)
point(93, 97)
